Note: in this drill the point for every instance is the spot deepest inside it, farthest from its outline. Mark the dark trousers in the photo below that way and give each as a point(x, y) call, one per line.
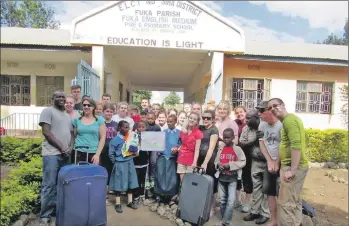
point(141, 174)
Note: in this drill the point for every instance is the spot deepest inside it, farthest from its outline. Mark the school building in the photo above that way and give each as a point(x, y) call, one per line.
point(167, 46)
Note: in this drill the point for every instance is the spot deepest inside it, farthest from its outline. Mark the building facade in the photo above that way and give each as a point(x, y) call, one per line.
point(168, 45)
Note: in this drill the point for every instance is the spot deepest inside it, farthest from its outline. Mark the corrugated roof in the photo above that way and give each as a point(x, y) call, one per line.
point(58, 37)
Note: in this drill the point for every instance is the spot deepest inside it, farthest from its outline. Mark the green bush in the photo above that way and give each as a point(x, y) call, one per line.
point(327, 145)
point(15, 149)
point(20, 191)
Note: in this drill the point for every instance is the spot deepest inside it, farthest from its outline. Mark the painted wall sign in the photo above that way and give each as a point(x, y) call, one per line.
point(170, 24)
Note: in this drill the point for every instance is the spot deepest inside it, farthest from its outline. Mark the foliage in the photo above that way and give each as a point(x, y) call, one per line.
point(20, 192)
point(138, 95)
point(172, 99)
point(333, 39)
point(327, 145)
point(344, 108)
point(14, 149)
point(30, 14)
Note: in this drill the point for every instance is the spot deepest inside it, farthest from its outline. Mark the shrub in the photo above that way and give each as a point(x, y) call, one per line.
point(14, 149)
point(20, 192)
point(327, 145)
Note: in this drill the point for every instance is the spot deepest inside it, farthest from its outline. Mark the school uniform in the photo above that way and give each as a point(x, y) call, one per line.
point(123, 176)
point(141, 163)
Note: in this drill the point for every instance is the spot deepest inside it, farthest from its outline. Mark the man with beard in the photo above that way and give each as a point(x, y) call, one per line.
point(57, 144)
point(250, 144)
point(294, 164)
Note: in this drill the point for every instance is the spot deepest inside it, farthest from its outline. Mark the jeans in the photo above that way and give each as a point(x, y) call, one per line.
point(51, 165)
point(227, 195)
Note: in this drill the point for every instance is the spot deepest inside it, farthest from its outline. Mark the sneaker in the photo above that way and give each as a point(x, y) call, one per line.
point(237, 204)
point(118, 208)
point(132, 205)
point(245, 208)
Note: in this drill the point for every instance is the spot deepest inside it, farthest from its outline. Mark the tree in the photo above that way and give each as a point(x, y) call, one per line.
point(344, 108)
point(138, 95)
point(333, 39)
point(29, 14)
point(172, 99)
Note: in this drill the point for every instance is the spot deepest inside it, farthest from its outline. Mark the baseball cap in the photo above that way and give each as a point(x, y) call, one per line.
point(262, 105)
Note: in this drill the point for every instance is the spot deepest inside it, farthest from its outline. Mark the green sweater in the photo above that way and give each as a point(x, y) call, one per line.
point(292, 137)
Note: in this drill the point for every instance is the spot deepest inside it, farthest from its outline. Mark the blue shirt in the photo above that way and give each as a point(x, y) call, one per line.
point(115, 153)
point(87, 135)
point(171, 141)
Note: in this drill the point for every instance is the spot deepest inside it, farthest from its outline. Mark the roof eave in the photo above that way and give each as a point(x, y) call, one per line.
point(45, 47)
point(289, 59)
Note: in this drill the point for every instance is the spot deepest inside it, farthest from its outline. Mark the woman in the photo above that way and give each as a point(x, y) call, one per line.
point(246, 182)
point(69, 107)
point(122, 114)
point(208, 150)
point(90, 132)
point(182, 116)
point(156, 108)
point(188, 153)
point(224, 122)
point(162, 117)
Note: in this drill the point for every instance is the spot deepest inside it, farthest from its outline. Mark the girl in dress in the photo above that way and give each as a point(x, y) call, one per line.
point(122, 150)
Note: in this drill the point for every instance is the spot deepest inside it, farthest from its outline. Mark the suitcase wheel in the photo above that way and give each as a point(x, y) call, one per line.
point(201, 221)
point(178, 213)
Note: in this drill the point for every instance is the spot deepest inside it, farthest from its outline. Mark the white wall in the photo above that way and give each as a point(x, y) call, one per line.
point(217, 82)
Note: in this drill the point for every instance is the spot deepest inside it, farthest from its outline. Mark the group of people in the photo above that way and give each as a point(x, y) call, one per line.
point(261, 152)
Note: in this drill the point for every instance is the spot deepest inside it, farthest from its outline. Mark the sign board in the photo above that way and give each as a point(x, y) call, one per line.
point(161, 24)
point(153, 141)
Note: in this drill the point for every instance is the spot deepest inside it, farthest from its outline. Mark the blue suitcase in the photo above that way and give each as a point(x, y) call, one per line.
point(81, 192)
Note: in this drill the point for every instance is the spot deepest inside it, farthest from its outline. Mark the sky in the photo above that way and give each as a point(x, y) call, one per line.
point(279, 21)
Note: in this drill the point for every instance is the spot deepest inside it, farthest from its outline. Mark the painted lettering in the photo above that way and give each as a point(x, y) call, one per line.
point(168, 13)
point(143, 12)
point(189, 45)
point(166, 43)
point(128, 4)
point(154, 19)
point(131, 41)
point(170, 3)
point(188, 7)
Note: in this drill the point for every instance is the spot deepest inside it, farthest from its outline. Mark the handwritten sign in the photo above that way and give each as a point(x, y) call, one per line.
point(153, 141)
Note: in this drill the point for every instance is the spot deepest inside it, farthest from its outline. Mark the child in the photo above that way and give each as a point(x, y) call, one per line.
point(162, 120)
point(166, 181)
point(228, 162)
point(141, 163)
point(144, 116)
point(151, 117)
point(134, 113)
point(124, 176)
point(111, 132)
point(189, 150)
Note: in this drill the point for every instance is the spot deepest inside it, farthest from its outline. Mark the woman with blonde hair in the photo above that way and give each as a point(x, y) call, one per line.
point(69, 107)
point(224, 121)
point(123, 114)
point(99, 108)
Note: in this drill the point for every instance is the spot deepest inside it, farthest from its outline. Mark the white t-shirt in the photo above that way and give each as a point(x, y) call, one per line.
point(272, 137)
point(117, 119)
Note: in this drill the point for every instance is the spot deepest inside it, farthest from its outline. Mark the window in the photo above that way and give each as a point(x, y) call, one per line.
point(314, 97)
point(121, 88)
point(15, 90)
point(45, 86)
point(128, 96)
point(248, 92)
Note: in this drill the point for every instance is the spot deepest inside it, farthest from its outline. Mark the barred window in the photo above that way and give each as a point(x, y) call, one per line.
point(314, 97)
point(248, 92)
point(46, 86)
point(15, 90)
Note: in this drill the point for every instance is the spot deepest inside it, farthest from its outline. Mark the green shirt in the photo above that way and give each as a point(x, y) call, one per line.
point(292, 137)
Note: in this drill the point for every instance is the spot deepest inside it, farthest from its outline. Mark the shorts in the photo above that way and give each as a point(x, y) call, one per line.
point(270, 181)
point(184, 169)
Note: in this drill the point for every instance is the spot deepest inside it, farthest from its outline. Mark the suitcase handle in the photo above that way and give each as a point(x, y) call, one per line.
point(83, 163)
point(197, 169)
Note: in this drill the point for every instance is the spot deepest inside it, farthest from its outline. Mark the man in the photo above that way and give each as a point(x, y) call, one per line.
point(76, 92)
point(106, 98)
point(145, 105)
point(57, 145)
point(294, 164)
point(187, 108)
point(196, 107)
point(269, 135)
point(259, 211)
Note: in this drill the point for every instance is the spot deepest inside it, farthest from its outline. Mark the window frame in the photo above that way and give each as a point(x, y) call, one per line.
point(25, 99)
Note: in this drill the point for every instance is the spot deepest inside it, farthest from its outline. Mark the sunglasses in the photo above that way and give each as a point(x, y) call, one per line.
point(87, 105)
point(262, 110)
point(206, 118)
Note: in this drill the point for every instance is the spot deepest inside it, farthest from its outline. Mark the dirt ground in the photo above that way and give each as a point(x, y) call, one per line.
point(329, 198)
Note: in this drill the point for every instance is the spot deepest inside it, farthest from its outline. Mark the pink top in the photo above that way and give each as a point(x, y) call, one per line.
point(227, 123)
point(187, 150)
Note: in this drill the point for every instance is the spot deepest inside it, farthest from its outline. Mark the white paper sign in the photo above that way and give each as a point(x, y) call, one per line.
point(153, 141)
